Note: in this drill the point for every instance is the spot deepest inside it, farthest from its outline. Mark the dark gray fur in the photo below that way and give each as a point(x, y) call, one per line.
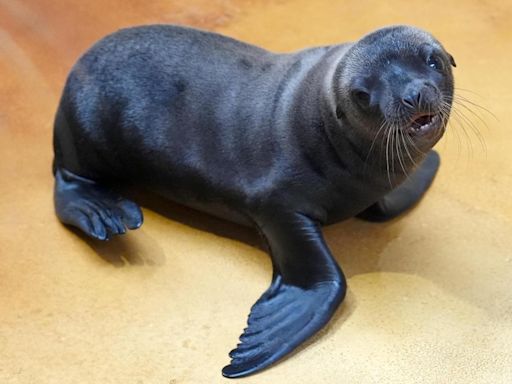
point(283, 142)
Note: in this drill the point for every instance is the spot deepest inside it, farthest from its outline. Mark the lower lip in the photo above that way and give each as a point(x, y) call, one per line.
point(427, 128)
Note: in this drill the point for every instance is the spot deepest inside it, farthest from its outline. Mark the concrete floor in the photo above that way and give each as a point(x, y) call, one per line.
point(430, 297)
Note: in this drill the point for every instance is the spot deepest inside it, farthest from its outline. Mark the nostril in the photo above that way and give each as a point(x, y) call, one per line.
point(418, 98)
point(419, 95)
point(409, 101)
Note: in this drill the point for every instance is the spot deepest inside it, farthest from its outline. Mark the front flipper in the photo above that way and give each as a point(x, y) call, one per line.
point(406, 195)
point(306, 289)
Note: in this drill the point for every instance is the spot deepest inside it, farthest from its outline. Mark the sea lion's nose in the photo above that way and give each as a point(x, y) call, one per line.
point(419, 95)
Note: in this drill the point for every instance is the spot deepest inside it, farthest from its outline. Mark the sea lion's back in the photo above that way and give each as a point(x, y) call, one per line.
point(164, 95)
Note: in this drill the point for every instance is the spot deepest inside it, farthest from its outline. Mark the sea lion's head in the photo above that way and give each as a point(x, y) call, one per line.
point(395, 85)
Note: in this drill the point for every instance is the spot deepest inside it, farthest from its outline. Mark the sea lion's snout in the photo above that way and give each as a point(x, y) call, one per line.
point(422, 101)
point(420, 95)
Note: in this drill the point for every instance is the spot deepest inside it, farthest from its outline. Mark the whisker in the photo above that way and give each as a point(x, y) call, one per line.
point(382, 126)
point(446, 108)
point(480, 107)
point(407, 149)
point(392, 148)
point(398, 150)
point(456, 118)
point(473, 127)
point(387, 156)
point(476, 115)
point(467, 90)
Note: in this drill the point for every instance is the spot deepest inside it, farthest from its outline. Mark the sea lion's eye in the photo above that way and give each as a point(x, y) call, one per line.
point(361, 97)
point(435, 62)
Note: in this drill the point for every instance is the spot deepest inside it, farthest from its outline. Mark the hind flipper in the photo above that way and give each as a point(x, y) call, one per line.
point(98, 212)
point(406, 195)
point(306, 289)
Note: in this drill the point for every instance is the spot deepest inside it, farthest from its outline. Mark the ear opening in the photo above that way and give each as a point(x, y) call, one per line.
point(339, 112)
point(452, 61)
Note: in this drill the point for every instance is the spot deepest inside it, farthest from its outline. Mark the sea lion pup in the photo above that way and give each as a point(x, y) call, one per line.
point(281, 142)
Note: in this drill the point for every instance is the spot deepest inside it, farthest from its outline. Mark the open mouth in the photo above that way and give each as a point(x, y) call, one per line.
point(424, 123)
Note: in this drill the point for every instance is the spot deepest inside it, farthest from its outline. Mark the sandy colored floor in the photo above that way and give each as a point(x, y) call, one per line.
point(430, 297)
